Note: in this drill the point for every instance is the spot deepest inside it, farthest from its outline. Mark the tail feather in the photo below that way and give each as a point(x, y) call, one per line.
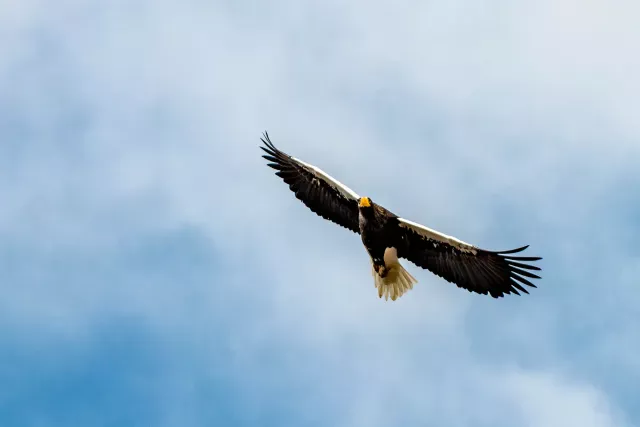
point(396, 283)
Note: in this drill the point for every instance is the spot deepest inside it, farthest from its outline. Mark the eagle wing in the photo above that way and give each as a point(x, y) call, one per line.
point(321, 193)
point(469, 267)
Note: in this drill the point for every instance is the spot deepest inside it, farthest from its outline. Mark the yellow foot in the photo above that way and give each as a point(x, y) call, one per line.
point(382, 270)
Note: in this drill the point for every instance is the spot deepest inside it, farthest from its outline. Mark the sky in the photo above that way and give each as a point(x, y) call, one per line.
point(154, 271)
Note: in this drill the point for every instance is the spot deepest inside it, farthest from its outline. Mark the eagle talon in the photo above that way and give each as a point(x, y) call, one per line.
point(381, 270)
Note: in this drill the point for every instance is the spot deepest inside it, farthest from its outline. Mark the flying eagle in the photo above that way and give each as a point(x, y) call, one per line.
point(388, 237)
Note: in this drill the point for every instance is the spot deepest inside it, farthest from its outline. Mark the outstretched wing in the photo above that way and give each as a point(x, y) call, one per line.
point(469, 267)
point(321, 193)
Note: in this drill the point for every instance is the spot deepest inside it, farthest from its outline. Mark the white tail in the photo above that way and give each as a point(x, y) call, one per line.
point(397, 281)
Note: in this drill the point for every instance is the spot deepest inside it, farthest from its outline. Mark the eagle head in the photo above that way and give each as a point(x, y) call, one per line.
point(364, 202)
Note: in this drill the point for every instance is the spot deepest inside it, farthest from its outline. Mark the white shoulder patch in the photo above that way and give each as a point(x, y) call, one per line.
point(343, 189)
point(437, 236)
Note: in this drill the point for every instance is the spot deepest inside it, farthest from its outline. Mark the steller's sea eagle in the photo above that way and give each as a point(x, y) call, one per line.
point(388, 237)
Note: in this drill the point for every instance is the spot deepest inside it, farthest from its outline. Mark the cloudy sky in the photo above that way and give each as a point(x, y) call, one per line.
point(155, 272)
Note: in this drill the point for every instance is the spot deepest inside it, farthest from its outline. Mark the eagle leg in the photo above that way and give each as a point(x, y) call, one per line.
point(382, 270)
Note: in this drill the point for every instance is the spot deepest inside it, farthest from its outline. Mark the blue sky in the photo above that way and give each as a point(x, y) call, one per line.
point(155, 272)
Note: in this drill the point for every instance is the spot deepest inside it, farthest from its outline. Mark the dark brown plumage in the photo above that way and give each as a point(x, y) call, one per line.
point(317, 194)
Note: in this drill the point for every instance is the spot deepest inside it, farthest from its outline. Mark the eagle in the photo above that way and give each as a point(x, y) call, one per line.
point(388, 237)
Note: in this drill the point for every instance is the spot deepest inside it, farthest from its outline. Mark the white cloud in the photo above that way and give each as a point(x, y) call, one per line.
point(525, 105)
point(547, 401)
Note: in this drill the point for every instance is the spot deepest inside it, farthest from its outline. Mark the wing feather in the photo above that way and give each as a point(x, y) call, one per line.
point(478, 270)
point(323, 194)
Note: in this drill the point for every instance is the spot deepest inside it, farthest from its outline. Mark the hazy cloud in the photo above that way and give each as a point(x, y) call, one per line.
point(135, 197)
